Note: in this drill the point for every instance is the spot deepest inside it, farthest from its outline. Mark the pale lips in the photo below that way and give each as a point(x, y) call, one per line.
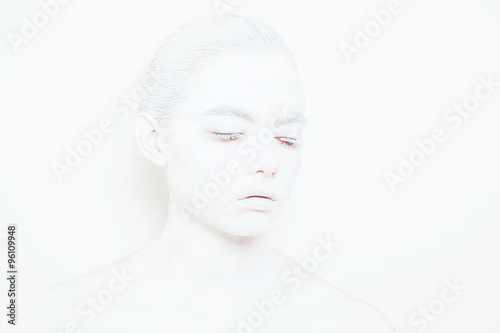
point(260, 203)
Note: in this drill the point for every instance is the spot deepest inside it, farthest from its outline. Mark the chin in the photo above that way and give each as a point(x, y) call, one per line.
point(251, 225)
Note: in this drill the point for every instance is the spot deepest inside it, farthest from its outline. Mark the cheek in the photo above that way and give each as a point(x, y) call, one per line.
point(191, 162)
point(289, 166)
point(290, 161)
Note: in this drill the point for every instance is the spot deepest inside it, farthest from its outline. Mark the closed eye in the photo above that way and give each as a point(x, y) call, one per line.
point(226, 136)
point(288, 142)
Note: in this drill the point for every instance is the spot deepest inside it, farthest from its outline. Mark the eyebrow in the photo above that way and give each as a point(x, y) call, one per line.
point(245, 115)
point(294, 119)
point(229, 111)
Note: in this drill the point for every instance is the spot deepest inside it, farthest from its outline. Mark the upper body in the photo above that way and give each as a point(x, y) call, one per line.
point(222, 115)
point(135, 295)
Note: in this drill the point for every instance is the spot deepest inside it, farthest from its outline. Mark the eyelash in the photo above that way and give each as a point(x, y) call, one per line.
point(288, 142)
point(285, 141)
point(227, 136)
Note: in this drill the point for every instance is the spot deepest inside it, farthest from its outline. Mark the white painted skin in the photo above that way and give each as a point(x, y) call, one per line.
point(208, 268)
point(227, 106)
point(227, 233)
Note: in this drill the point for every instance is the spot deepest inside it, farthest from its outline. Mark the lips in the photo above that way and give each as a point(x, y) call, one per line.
point(259, 202)
point(259, 196)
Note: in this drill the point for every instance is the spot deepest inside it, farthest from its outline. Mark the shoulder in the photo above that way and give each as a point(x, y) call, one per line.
point(356, 315)
point(73, 304)
point(336, 309)
point(313, 303)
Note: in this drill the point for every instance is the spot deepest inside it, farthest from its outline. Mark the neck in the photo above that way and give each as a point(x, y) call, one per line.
point(208, 256)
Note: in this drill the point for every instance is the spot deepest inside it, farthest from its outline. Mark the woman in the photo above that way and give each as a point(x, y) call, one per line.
point(223, 116)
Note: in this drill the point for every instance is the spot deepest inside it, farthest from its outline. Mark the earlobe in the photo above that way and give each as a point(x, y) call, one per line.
point(148, 138)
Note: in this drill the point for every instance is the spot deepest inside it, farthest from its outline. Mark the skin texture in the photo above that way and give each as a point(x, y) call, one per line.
point(210, 265)
point(224, 233)
point(193, 151)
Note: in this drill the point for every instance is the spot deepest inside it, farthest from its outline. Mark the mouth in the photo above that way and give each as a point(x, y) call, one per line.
point(258, 202)
point(259, 196)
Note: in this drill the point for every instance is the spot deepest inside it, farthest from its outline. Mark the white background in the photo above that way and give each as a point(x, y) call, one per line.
point(397, 247)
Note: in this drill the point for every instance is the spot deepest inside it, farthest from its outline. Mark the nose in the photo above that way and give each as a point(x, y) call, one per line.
point(265, 162)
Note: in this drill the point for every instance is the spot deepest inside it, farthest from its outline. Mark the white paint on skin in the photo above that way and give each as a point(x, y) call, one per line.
point(203, 141)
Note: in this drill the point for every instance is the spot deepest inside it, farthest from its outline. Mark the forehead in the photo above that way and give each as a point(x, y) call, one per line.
point(278, 116)
point(256, 86)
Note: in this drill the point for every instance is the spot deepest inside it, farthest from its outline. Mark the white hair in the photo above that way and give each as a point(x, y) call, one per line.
point(192, 47)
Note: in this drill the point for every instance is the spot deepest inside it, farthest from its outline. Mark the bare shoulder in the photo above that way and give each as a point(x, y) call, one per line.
point(357, 315)
point(70, 305)
point(311, 303)
point(336, 309)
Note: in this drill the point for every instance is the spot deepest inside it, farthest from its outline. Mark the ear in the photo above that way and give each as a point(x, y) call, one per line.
point(148, 138)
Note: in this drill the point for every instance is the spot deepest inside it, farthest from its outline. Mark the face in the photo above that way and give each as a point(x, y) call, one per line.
point(234, 147)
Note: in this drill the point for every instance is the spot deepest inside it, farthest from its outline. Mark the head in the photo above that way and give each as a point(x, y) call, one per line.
point(223, 115)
